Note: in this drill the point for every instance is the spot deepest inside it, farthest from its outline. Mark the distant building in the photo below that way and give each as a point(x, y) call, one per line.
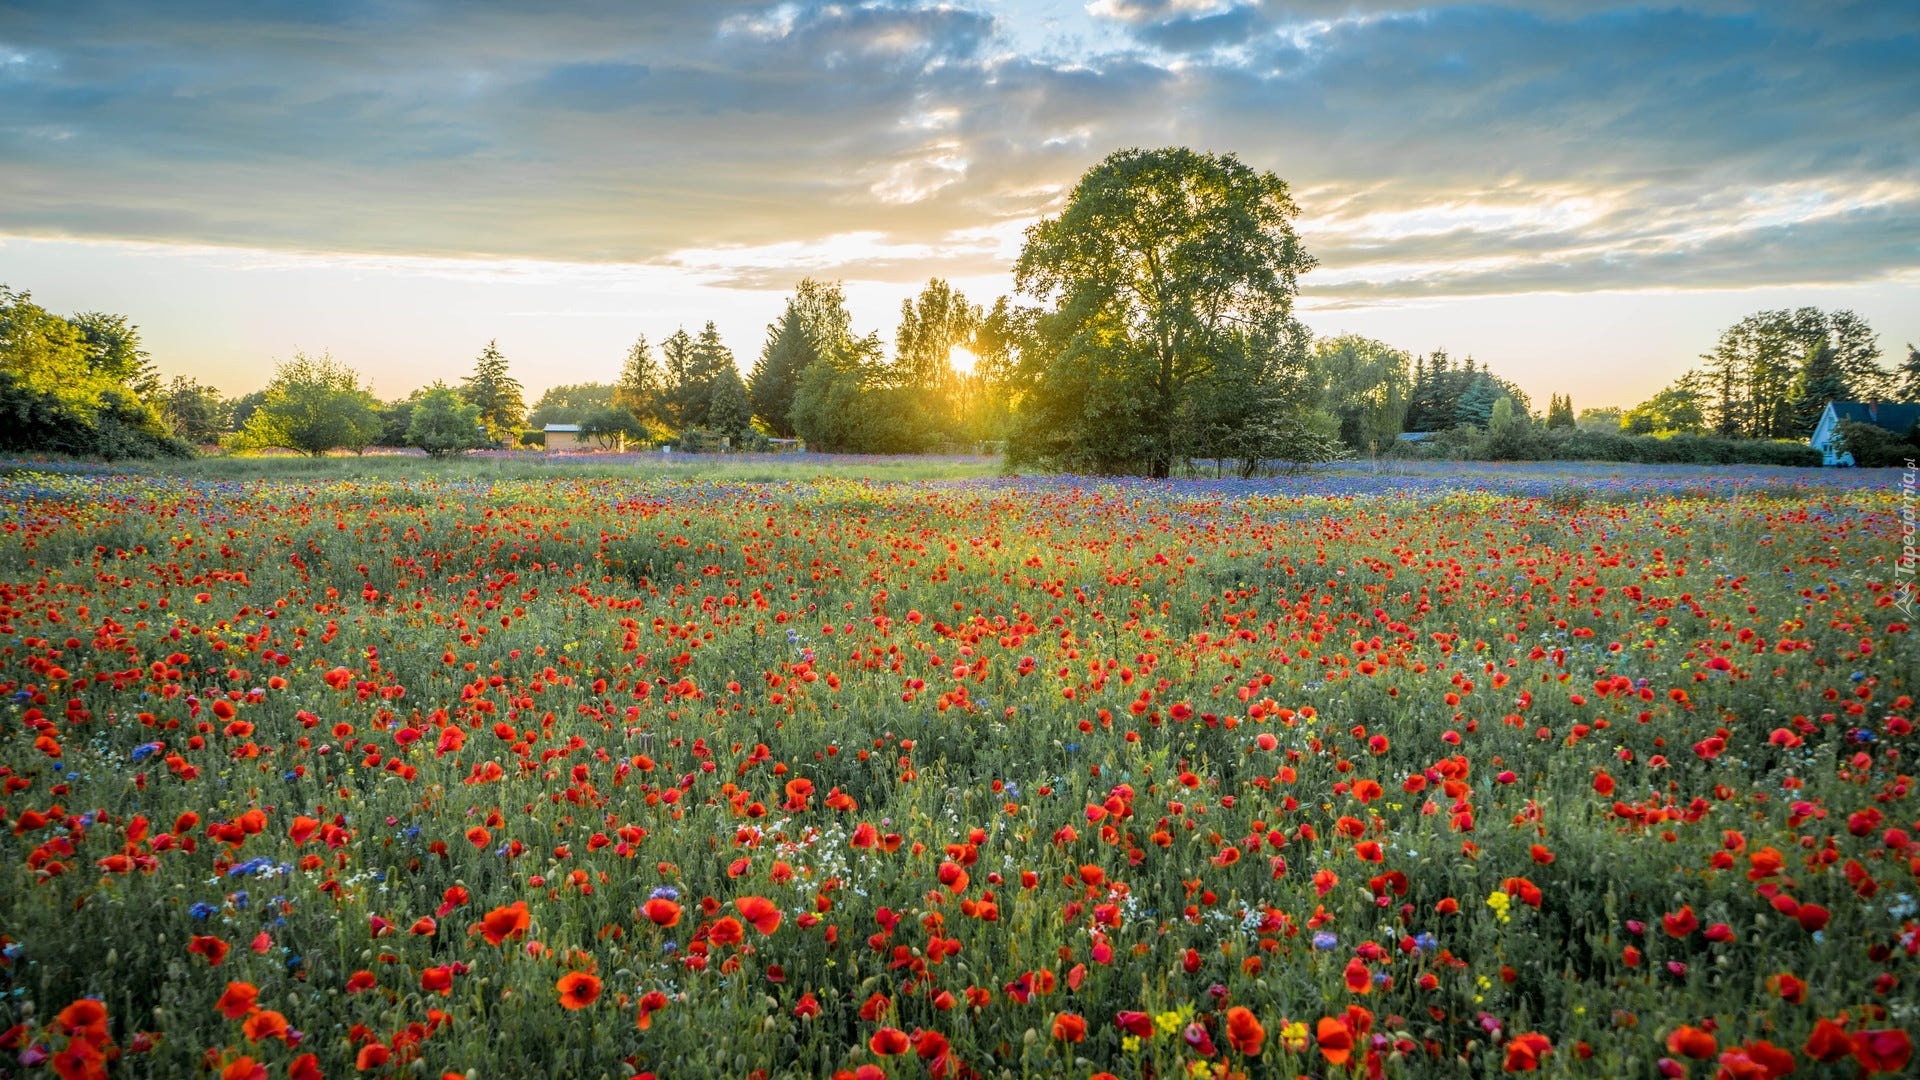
point(564, 437)
point(1898, 419)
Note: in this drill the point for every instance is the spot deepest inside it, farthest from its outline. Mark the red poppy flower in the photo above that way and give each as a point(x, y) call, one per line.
point(1335, 1039)
point(1680, 923)
point(1525, 1052)
point(889, 1041)
point(238, 1001)
point(1884, 1051)
point(662, 912)
point(214, 949)
point(80, 1060)
point(759, 911)
point(506, 922)
point(578, 989)
point(650, 1002)
point(1069, 1027)
point(1688, 1041)
point(265, 1024)
point(1245, 1032)
point(1828, 1043)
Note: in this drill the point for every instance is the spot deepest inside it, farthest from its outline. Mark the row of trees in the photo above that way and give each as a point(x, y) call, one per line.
point(1152, 327)
point(77, 385)
point(1771, 374)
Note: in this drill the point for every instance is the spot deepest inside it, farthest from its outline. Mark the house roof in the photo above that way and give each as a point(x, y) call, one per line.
point(562, 429)
point(1897, 418)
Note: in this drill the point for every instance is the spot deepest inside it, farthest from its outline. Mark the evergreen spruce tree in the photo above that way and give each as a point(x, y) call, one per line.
point(496, 394)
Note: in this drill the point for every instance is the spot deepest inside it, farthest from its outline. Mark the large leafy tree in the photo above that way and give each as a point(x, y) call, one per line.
point(1907, 379)
point(1682, 408)
point(1821, 379)
point(814, 322)
point(848, 401)
point(114, 352)
point(194, 410)
point(1771, 373)
point(444, 423)
point(728, 411)
point(313, 405)
point(496, 394)
point(932, 325)
point(641, 386)
point(1162, 262)
point(683, 398)
point(692, 366)
point(570, 403)
point(1364, 383)
point(57, 394)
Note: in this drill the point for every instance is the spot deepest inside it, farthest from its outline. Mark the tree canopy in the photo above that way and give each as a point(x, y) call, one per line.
point(814, 322)
point(496, 394)
point(76, 386)
point(1163, 264)
point(443, 423)
point(313, 405)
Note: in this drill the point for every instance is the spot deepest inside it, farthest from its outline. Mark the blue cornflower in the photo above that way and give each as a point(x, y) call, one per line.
point(1323, 941)
point(202, 910)
point(664, 892)
point(145, 751)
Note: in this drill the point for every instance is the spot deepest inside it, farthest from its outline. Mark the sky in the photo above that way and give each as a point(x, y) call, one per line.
point(1579, 195)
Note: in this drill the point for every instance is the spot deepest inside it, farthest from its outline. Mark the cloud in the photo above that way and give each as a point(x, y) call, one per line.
point(1435, 148)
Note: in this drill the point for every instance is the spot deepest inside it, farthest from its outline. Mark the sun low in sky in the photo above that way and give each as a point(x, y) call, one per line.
point(1580, 195)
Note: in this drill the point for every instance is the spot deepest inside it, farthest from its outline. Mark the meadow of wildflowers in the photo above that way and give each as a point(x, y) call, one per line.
point(1589, 773)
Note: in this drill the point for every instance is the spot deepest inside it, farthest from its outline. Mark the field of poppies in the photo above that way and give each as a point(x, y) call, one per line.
point(1578, 772)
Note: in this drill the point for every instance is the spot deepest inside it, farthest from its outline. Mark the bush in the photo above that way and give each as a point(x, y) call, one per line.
point(1537, 444)
point(1876, 448)
point(444, 424)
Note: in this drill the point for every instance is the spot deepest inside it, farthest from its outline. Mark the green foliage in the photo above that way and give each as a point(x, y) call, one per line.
point(312, 405)
point(728, 412)
point(195, 411)
point(814, 322)
point(1560, 413)
point(1907, 379)
point(848, 403)
point(640, 389)
point(1819, 381)
point(1509, 433)
point(610, 427)
point(1875, 447)
point(114, 352)
point(43, 352)
point(62, 391)
point(1535, 442)
point(988, 392)
point(496, 394)
point(1366, 385)
point(396, 417)
point(241, 409)
point(444, 423)
point(932, 325)
point(1770, 375)
point(1677, 409)
point(1444, 396)
point(1606, 418)
point(691, 366)
point(1162, 262)
point(570, 403)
